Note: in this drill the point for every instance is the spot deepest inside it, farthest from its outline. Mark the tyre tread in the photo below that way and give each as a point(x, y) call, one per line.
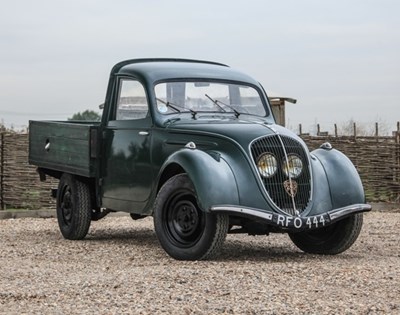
point(346, 234)
point(84, 210)
point(222, 226)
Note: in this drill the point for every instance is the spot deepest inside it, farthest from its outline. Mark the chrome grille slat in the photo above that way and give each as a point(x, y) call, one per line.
point(281, 146)
point(293, 210)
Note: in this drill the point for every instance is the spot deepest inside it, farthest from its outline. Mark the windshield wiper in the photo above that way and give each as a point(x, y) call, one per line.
point(175, 107)
point(215, 101)
point(168, 104)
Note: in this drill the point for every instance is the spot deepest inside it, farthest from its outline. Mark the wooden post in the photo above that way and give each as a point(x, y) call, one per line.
point(318, 129)
point(336, 131)
point(355, 130)
point(376, 129)
point(300, 130)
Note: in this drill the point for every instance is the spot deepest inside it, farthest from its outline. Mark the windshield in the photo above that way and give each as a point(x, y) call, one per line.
point(210, 97)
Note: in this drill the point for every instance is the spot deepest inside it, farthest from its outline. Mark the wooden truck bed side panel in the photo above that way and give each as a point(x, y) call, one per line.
point(63, 146)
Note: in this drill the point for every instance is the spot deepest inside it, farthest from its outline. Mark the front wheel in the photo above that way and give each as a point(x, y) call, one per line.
point(74, 209)
point(184, 230)
point(330, 240)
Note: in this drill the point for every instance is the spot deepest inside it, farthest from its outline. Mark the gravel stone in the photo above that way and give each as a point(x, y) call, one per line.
point(121, 269)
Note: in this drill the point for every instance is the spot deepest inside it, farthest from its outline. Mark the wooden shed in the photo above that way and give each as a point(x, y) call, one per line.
point(278, 102)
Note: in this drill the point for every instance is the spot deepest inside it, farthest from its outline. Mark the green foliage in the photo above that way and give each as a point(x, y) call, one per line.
point(86, 115)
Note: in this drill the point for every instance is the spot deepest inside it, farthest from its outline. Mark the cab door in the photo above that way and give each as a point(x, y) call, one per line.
point(127, 172)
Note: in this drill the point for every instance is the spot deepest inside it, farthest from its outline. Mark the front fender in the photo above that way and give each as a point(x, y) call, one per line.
point(210, 174)
point(344, 182)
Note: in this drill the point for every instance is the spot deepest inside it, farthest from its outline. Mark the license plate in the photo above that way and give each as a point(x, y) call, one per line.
point(301, 223)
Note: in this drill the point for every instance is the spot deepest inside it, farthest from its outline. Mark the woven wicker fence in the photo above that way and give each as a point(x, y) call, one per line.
point(377, 160)
point(20, 187)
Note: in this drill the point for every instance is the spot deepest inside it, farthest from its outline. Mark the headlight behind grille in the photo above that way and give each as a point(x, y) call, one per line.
point(267, 165)
point(292, 166)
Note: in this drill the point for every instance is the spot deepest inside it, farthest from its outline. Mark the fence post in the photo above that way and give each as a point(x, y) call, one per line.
point(335, 130)
point(2, 171)
point(355, 130)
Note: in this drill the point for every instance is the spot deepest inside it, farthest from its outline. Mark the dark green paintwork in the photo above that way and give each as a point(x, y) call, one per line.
point(130, 168)
point(69, 149)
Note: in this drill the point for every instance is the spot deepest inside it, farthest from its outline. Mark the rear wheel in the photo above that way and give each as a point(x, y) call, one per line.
point(184, 230)
point(330, 240)
point(74, 210)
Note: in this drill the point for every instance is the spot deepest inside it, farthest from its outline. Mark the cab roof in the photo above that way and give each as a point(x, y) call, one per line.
point(160, 69)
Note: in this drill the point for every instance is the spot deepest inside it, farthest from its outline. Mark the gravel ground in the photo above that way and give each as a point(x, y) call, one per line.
point(120, 269)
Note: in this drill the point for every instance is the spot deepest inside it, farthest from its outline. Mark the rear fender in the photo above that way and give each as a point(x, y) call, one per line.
point(343, 179)
point(212, 177)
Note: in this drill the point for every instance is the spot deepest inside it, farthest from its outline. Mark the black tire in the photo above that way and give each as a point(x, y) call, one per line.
point(184, 230)
point(74, 209)
point(135, 216)
point(330, 240)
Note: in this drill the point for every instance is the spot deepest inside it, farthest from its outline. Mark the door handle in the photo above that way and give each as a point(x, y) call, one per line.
point(143, 133)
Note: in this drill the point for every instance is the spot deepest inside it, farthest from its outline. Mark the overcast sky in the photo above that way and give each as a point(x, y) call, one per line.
point(340, 59)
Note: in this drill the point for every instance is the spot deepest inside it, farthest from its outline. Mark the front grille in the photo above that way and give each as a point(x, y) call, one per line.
point(282, 146)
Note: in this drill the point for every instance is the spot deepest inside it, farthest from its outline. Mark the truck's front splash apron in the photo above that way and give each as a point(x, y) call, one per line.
point(294, 223)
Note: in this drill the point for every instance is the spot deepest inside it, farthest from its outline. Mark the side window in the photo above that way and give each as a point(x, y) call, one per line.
point(132, 101)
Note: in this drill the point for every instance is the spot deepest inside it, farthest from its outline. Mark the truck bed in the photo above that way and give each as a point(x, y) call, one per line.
point(64, 146)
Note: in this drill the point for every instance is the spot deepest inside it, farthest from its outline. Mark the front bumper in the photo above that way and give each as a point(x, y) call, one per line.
point(293, 223)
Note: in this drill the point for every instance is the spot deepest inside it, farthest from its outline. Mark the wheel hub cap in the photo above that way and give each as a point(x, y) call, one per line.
point(186, 218)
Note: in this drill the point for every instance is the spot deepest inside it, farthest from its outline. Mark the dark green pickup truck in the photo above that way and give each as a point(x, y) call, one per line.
point(194, 144)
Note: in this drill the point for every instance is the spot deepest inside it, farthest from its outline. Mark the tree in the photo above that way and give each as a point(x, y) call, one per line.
point(86, 115)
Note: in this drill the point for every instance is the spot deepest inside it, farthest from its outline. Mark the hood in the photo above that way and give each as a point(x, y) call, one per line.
point(242, 131)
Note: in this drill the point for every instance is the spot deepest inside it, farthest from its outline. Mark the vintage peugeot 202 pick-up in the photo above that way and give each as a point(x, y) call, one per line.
point(194, 144)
